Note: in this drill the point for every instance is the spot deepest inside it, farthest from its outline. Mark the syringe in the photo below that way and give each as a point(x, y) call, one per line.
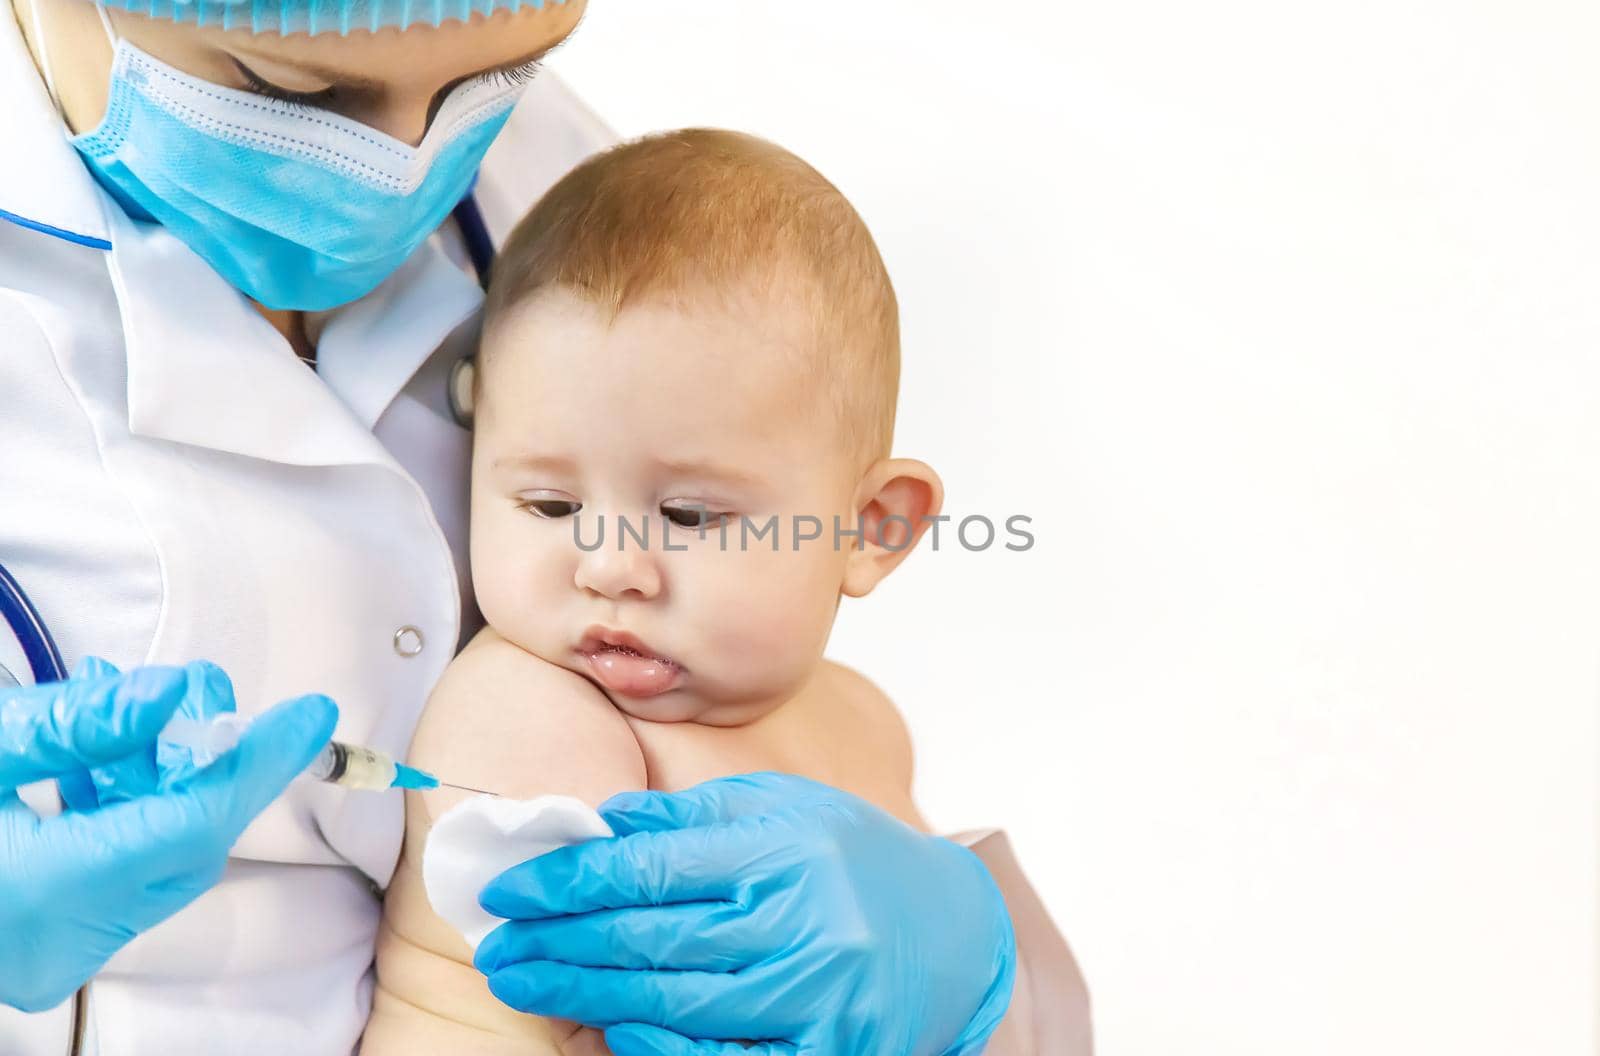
point(366, 769)
point(349, 766)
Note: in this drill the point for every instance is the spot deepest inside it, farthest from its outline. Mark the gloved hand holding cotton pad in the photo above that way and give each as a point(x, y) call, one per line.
point(480, 838)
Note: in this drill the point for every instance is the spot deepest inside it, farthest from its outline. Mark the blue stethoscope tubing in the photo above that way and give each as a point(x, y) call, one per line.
point(44, 661)
point(475, 233)
point(44, 658)
point(39, 646)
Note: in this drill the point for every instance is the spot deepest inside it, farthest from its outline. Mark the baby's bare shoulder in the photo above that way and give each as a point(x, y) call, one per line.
point(865, 700)
point(861, 713)
point(504, 720)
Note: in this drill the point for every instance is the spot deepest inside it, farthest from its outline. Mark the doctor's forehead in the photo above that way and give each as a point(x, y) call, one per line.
point(419, 56)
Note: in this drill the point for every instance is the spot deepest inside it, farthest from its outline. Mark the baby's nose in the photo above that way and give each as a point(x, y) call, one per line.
point(620, 561)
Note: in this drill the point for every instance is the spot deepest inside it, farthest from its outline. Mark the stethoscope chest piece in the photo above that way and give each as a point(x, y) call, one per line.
point(462, 374)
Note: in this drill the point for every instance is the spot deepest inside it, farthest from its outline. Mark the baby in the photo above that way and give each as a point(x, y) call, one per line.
point(684, 402)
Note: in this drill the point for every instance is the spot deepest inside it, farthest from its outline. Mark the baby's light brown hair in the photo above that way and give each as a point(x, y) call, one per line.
point(700, 213)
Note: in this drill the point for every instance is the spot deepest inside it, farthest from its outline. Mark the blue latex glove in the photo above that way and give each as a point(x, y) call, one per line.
point(207, 693)
point(75, 888)
point(760, 908)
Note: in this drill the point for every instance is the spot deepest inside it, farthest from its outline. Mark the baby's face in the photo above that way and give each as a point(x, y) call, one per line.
point(582, 425)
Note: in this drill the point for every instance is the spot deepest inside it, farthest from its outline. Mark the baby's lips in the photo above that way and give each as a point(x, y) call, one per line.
point(631, 674)
point(600, 638)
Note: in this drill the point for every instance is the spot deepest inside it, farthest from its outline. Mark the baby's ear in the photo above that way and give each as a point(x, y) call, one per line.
point(894, 505)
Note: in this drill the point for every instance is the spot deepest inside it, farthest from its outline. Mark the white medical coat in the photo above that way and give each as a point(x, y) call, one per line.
point(176, 484)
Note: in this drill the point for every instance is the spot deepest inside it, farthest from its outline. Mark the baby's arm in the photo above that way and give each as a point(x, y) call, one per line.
point(503, 720)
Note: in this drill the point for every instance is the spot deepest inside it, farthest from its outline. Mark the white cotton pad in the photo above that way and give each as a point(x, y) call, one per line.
point(481, 838)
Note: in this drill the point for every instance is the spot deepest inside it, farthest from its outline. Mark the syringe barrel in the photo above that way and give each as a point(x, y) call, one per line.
point(345, 765)
point(352, 766)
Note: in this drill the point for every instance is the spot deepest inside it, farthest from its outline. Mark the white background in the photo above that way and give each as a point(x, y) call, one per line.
point(1280, 320)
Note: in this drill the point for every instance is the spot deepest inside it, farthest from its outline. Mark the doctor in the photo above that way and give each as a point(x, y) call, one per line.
point(230, 302)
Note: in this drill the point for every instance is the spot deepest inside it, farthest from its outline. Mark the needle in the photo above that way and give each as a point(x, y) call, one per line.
point(421, 781)
point(464, 788)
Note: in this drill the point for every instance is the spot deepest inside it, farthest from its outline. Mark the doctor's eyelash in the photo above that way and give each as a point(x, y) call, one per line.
point(304, 100)
point(320, 99)
point(514, 74)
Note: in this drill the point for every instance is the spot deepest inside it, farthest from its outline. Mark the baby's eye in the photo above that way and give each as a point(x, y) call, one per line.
point(692, 516)
point(551, 509)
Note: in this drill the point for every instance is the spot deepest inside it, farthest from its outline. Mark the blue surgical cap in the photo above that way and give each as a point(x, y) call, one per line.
point(319, 16)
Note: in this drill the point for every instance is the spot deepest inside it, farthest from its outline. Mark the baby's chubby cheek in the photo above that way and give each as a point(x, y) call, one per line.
point(519, 585)
point(763, 621)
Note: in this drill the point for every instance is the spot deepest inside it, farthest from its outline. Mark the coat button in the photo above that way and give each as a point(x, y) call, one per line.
point(408, 641)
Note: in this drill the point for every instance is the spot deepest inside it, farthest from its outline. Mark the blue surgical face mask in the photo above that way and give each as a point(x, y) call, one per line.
point(298, 208)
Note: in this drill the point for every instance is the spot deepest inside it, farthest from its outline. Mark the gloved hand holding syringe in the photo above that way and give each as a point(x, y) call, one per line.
point(346, 765)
